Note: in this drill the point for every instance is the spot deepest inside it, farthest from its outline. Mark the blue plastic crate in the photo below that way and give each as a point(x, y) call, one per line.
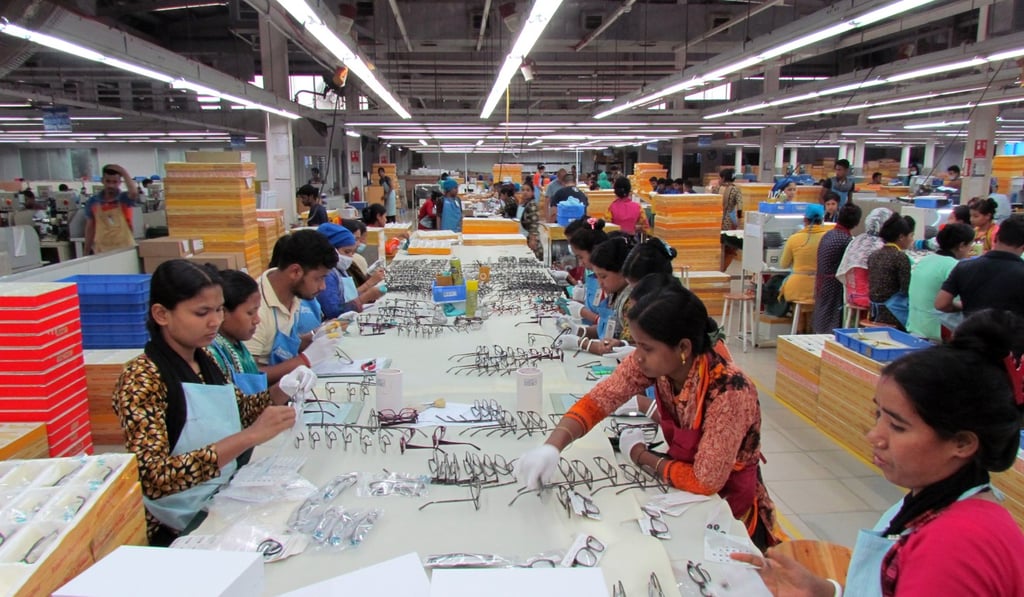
point(114, 318)
point(859, 340)
point(118, 341)
point(782, 208)
point(930, 202)
point(449, 294)
point(127, 284)
point(112, 310)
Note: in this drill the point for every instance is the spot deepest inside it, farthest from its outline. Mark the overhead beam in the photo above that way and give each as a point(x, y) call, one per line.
point(729, 24)
point(401, 23)
point(605, 24)
point(483, 25)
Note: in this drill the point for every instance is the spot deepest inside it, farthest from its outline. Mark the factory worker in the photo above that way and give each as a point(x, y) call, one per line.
point(188, 425)
point(947, 417)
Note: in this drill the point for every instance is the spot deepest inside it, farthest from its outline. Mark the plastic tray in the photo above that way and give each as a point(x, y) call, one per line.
point(782, 208)
point(449, 294)
point(858, 339)
point(116, 309)
point(43, 383)
point(930, 202)
point(34, 295)
point(39, 356)
point(110, 283)
point(123, 340)
point(25, 337)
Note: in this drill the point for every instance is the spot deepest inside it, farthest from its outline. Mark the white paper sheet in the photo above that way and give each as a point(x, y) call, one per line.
point(516, 582)
point(403, 576)
point(20, 247)
point(431, 417)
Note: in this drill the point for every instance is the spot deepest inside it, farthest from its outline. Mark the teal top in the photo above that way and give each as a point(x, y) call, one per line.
point(241, 361)
point(925, 282)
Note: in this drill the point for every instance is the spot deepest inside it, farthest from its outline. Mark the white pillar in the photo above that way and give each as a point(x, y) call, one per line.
point(793, 157)
point(739, 159)
point(769, 154)
point(280, 163)
point(981, 133)
point(905, 161)
point(857, 163)
point(929, 157)
point(842, 152)
point(676, 171)
point(780, 157)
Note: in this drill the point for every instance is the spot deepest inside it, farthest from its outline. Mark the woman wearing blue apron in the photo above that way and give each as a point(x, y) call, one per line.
point(948, 416)
point(609, 333)
point(241, 316)
point(583, 236)
point(183, 419)
point(341, 294)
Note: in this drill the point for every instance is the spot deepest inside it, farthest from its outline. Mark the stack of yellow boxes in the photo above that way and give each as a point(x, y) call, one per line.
point(271, 228)
point(65, 534)
point(640, 180)
point(1005, 168)
point(216, 202)
point(513, 172)
point(598, 202)
point(102, 369)
point(489, 226)
point(753, 194)
point(375, 192)
point(798, 372)
point(845, 402)
point(23, 440)
point(711, 288)
point(692, 224)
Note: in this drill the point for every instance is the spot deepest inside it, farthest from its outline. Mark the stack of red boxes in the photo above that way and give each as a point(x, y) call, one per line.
point(42, 371)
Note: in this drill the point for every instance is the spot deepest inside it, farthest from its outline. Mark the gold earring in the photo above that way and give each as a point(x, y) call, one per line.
point(683, 358)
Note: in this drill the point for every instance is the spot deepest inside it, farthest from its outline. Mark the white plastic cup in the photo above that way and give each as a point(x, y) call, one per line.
point(389, 389)
point(529, 389)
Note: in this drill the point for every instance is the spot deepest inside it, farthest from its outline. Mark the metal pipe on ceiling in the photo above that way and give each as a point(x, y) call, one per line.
point(401, 23)
point(483, 25)
point(728, 24)
point(605, 24)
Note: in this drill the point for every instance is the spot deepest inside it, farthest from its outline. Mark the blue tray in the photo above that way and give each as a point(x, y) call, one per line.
point(782, 208)
point(115, 310)
point(449, 294)
point(120, 341)
point(851, 338)
point(128, 284)
point(930, 202)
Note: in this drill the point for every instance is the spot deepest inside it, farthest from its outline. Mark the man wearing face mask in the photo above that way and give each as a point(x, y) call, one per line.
point(341, 294)
point(358, 229)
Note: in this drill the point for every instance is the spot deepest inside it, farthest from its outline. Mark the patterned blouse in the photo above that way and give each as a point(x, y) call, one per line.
point(140, 402)
point(732, 201)
point(888, 274)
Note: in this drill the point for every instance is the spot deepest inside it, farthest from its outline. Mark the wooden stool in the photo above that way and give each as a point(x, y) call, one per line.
point(867, 323)
point(746, 304)
point(797, 312)
point(825, 560)
point(852, 315)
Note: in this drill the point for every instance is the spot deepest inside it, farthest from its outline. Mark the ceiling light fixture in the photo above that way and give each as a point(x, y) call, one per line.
point(539, 17)
point(423, 143)
point(188, 6)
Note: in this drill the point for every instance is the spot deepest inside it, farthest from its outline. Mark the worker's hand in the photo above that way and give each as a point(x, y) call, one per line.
point(629, 440)
point(300, 381)
point(579, 294)
point(785, 576)
point(564, 322)
point(272, 421)
point(568, 341)
point(373, 293)
point(320, 350)
point(560, 276)
point(377, 276)
point(333, 328)
point(537, 467)
point(575, 308)
point(629, 408)
point(619, 353)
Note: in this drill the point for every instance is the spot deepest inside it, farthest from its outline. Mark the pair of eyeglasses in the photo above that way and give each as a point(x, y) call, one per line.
point(656, 525)
point(699, 576)
point(577, 503)
point(388, 417)
point(474, 497)
point(37, 549)
point(590, 554)
point(437, 439)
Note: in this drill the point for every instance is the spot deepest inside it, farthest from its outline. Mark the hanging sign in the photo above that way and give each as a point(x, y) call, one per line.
point(353, 156)
point(56, 119)
point(981, 148)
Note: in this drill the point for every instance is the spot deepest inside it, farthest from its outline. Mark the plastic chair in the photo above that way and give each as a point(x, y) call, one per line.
point(797, 311)
point(746, 304)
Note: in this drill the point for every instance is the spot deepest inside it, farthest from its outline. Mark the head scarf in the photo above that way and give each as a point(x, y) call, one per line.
point(864, 244)
point(814, 212)
point(449, 184)
point(603, 182)
point(339, 236)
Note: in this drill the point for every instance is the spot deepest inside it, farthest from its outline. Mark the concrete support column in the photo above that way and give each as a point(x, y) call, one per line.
point(769, 154)
point(842, 152)
point(739, 159)
point(857, 163)
point(793, 157)
point(929, 158)
point(353, 148)
point(279, 144)
point(905, 161)
point(676, 171)
point(780, 157)
point(977, 166)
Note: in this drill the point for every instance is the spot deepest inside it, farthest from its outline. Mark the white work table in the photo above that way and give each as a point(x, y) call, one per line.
point(532, 525)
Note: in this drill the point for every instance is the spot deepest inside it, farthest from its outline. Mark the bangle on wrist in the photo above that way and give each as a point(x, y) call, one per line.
point(567, 432)
point(651, 408)
point(836, 586)
point(305, 360)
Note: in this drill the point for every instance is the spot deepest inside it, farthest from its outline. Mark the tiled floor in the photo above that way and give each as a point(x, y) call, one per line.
point(821, 490)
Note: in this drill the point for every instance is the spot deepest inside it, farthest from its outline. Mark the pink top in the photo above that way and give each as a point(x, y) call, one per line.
point(624, 214)
point(972, 548)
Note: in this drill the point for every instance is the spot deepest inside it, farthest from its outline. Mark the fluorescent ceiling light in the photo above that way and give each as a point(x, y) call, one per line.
point(940, 124)
point(922, 111)
point(1007, 55)
point(530, 32)
point(806, 40)
point(303, 13)
point(535, 142)
point(934, 70)
point(188, 6)
point(480, 142)
point(353, 134)
point(423, 143)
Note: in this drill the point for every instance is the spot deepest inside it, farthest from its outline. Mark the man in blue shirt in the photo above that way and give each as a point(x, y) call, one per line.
point(449, 210)
point(108, 215)
point(310, 197)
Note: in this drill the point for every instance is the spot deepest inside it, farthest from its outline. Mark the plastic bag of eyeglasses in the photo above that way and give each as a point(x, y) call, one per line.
point(340, 529)
point(449, 561)
point(274, 544)
point(305, 516)
point(31, 542)
point(392, 484)
point(287, 487)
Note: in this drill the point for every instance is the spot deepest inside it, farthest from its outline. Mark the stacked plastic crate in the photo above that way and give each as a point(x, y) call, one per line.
point(114, 309)
point(216, 202)
point(42, 372)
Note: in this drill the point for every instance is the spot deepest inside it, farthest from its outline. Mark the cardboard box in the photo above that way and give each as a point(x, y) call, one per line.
point(210, 574)
point(219, 260)
point(218, 157)
point(170, 246)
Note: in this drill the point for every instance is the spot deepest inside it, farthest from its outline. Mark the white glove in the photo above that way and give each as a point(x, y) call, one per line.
point(629, 439)
point(579, 294)
point(619, 353)
point(560, 276)
point(569, 341)
point(320, 350)
point(300, 381)
point(575, 308)
point(537, 467)
point(629, 408)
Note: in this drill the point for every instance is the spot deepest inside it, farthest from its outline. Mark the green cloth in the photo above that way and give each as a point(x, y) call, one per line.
point(240, 357)
point(925, 282)
point(603, 182)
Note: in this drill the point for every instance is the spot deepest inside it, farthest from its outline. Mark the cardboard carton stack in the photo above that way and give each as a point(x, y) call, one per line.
point(1005, 168)
point(798, 372)
point(711, 288)
point(640, 180)
point(215, 202)
point(692, 224)
point(375, 192)
point(20, 441)
point(103, 368)
point(598, 202)
point(155, 251)
point(845, 402)
point(512, 172)
point(754, 193)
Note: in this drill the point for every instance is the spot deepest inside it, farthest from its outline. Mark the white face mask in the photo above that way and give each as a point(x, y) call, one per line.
point(344, 261)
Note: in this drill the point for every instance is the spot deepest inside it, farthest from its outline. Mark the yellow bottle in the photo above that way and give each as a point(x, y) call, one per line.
point(471, 291)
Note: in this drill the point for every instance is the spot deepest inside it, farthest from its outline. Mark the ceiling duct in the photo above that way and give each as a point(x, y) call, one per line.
point(15, 52)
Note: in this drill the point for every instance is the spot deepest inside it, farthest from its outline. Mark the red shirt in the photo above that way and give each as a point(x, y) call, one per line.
point(974, 547)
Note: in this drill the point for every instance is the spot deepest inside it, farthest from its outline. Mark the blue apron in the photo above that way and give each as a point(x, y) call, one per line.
point(605, 313)
point(864, 576)
point(211, 415)
point(349, 292)
point(309, 317)
point(451, 215)
point(897, 304)
point(844, 196)
point(285, 346)
point(248, 383)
